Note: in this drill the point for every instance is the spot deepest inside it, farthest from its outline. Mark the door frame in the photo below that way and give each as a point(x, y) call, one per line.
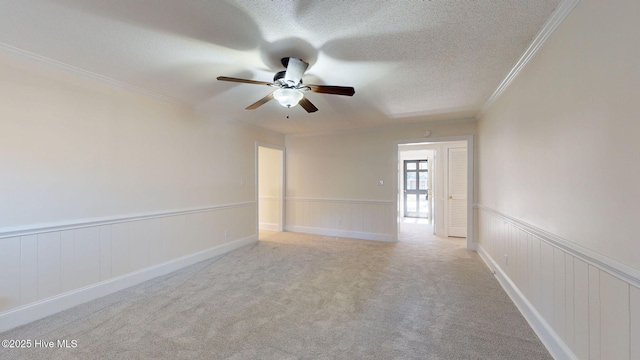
point(282, 185)
point(471, 245)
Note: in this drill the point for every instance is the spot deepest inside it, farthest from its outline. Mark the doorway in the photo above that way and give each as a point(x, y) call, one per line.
point(270, 187)
point(416, 188)
point(448, 187)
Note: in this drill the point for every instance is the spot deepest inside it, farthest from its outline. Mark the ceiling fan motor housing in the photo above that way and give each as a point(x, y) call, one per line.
point(279, 79)
point(279, 75)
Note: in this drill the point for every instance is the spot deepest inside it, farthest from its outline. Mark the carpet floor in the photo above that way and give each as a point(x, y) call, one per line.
point(299, 296)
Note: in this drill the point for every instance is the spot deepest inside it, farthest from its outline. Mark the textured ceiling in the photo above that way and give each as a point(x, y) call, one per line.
point(409, 60)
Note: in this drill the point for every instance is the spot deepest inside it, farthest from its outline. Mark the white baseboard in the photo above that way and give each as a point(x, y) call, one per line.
point(43, 308)
point(268, 226)
point(341, 233)
point(557, 348)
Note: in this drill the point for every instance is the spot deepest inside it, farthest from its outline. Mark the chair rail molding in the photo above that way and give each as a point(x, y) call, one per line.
point(13, 231)
point(581, 304)
point(621, 271)
point(55, 266)
point(354, 218)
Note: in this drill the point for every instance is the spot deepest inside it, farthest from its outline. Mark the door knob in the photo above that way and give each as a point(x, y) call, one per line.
point(451, 197)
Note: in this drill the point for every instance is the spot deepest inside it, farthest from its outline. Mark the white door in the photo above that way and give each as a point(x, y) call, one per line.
point(457, 174)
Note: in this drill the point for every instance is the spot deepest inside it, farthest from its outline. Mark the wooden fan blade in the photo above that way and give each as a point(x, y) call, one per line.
point(307, 105)
point(232, 79)
point(295, 70)
point(260, 102)
point(335, 90)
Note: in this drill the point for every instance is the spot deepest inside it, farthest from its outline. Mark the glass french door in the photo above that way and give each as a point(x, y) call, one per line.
point(416, 188)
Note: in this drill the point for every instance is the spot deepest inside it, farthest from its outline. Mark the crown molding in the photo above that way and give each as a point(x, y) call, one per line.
point(87, 74)
point(559, 14)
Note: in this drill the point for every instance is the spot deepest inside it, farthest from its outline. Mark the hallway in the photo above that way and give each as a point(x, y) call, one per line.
point(417, 230)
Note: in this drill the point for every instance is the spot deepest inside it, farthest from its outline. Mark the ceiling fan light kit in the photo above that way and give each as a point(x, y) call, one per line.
point(288, 97)
point(289, 87)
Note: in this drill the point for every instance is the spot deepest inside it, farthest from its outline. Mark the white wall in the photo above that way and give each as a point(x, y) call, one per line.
point(101, 187)
point(332, 179)
point(558, 179)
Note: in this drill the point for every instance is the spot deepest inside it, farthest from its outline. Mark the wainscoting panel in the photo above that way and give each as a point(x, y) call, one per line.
point(582, 305)
point(44, 270)
point(635, 322)
point(28, 268)
point(10, 294)
point(362, 219)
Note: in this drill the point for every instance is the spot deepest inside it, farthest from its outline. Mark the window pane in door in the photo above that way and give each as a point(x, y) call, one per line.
point(423, 165)
point(412, 203)
point(411, 166)
point(423, 181)
point(424, 209)
point(411, 180)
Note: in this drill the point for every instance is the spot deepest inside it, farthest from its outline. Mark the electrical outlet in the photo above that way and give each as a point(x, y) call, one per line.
point(380, 182)
point(241, 182)
point(226, 234)
point(506, 259)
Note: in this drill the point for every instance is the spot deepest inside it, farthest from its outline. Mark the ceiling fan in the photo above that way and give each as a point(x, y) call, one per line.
point(289, 87)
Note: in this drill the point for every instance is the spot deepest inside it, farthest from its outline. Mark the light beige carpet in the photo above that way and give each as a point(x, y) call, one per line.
point(297, 296)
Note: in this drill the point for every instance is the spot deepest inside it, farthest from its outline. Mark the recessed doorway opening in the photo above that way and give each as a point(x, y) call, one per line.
point(434, 188)
point(270, 188)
